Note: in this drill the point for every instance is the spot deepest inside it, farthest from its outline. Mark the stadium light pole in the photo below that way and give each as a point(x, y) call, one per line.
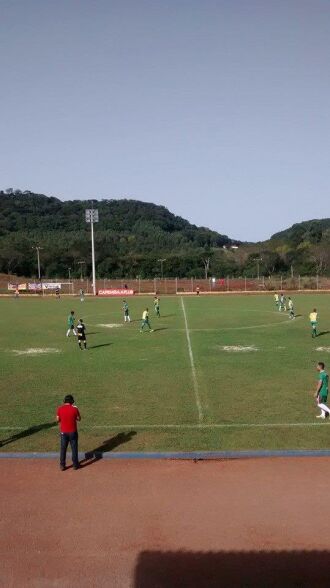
point(37, 248)
point(161, 266)
point(92, 216)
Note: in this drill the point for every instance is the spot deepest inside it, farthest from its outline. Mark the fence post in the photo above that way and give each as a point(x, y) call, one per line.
point(192, 284)
point(281, 283)
point(139, 285)
point(299, 283)
point(165, 285)
point(176, 285)
point(227, 283)
point(317, 282)
point(155, 285)
point(245, 284)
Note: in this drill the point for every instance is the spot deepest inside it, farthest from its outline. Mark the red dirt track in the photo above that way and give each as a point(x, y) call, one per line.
point(156, 524)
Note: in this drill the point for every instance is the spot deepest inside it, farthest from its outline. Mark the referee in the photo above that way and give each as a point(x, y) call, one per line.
point(81, 334)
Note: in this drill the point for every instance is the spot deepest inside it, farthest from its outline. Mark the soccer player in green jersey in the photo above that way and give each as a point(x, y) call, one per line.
point(127, 318)
point(277, 299)
point(322, 391)
point(71, 327)
point(313, 317)
point(145, 321)
point(291, 309)
point(157, 307)
point(282, 304)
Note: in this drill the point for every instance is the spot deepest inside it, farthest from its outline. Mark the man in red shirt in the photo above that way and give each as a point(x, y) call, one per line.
point(67, 416)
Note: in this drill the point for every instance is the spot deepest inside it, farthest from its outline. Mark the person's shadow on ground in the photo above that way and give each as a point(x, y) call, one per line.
point(26, 433)
point(108, 445)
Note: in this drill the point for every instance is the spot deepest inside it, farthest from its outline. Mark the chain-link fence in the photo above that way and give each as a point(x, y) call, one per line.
point(165, 286)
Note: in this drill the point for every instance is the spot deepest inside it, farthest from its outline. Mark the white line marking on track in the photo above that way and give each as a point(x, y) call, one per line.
point(192, 363)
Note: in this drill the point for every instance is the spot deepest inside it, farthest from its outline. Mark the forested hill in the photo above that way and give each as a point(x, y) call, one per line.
point(130, 237)
point(133, 236)
point(312, 231)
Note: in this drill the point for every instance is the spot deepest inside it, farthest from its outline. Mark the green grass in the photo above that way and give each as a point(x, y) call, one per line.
point(129, 381)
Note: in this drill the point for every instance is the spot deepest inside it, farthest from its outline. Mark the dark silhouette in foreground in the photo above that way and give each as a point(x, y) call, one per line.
point(26, 433)
point(108, 445)
point(232, 569)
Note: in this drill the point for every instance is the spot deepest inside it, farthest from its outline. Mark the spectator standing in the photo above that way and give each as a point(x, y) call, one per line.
point(67, 416)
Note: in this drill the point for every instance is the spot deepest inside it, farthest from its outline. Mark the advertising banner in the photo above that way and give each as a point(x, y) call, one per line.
point(51, 285)
point(37, 286)
point(21, 287)
point(116, 292)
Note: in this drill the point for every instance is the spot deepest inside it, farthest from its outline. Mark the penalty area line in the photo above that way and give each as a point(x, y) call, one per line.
point(192, 364)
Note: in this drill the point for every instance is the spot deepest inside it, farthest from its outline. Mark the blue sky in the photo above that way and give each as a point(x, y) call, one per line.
point(217, 109)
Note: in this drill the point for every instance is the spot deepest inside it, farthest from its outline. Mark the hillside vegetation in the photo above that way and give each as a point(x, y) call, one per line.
point(129, 239)
point(132, 237)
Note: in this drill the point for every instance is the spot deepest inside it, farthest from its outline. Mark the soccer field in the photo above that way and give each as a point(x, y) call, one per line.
point(223, 372)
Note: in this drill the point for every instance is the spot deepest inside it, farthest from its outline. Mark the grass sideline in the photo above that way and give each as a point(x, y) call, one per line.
point(151, 392)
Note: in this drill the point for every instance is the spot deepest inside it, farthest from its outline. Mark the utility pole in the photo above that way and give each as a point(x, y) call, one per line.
point(258, 260)
point(92, 216)
point(37, 248)
point(161, 267)
point(81, 263)
point(69, 270)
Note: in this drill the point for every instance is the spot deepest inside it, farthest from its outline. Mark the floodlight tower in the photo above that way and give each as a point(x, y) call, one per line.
point(92, 216)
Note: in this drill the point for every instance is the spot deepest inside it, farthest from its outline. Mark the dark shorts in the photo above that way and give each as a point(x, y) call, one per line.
point(81, 337)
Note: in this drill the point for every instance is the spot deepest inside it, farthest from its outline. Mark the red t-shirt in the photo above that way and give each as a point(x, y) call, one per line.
point(68, 414)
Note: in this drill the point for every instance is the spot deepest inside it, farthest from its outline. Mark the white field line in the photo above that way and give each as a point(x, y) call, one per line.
point(220, 329)
point(216, 426)
point(249, 326)
point(192, 426)
point(192, 363)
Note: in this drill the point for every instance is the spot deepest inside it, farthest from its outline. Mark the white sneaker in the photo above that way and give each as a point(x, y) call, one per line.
point(320, 416)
